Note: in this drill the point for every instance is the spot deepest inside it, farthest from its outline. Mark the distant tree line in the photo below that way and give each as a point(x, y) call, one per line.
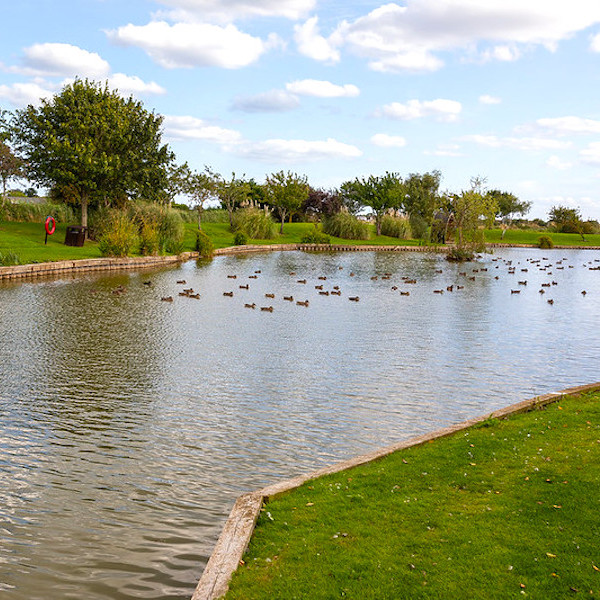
point(97, 150)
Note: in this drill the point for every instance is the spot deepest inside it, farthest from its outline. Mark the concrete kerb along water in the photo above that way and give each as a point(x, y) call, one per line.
point(239, 527)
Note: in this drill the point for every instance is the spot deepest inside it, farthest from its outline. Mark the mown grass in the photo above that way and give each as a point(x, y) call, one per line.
point(26, 240)
point(507, 509)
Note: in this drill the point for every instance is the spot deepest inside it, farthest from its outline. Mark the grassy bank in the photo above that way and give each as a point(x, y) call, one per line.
point(26, 240)
point(506, 509)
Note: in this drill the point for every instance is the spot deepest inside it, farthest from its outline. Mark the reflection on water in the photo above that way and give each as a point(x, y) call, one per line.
point(128, 425)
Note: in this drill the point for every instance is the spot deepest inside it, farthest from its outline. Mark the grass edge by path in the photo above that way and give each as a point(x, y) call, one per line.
point(239, 527)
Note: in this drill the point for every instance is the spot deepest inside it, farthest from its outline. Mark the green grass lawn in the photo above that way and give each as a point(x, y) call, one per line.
point(26, 240)
point(506, 509)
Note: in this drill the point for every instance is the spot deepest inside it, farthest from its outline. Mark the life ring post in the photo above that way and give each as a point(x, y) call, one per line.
point(50, 226)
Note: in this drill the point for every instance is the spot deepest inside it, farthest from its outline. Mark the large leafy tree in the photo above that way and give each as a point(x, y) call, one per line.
point(91, 144)
point(287, 192)
point(380, 194)
point(567, 220)
point(421, 195)
point(11, 166)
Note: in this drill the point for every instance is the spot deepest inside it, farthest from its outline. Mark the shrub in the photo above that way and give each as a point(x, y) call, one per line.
point(315, 237)
point(398, 227)
point(460, 254)
point(119, 236)
point(255, 223)
point(591, 227)
point(545, 242)
point(240, 239)
point(149, 239)
point(345, 225)
point(9, 258)
point(418, 226)
point(204, 245)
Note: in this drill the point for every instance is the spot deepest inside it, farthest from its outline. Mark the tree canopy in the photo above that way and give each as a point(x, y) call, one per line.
point(91, 145)
point(287, 192)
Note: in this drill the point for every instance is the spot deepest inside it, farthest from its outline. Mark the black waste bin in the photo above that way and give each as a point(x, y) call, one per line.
point(75, 235)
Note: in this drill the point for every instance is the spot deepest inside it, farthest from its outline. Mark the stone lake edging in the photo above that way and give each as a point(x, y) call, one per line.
point(239, 527)
point(64, 267)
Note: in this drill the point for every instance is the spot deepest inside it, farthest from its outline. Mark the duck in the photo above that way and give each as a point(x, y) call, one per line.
point(267, 308)
point(146, 283)
point(336, 293)
point(438, 291)
point(181, 281)
point(269, 295)
point(250, 305)
point(583, 292)
point(318, 287)
point(301, 281)
point(515, 291)
point(195, 296)
point(324, 293)
point(405, 293)
point(550, 301)
point(354, 298)
point(230, 294)
point(322, 278)
point(167, 298)
point(289, 298)
point(302, 303)
point(231, 276)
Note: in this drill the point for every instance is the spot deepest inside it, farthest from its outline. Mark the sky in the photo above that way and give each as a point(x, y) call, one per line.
point(506, 90)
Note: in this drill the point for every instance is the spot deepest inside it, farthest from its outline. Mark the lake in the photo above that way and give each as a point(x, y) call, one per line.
point(128, 424)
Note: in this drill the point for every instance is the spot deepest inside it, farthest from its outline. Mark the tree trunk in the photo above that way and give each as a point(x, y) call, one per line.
point(282, 221)
point(200, 217)
point(84, 212)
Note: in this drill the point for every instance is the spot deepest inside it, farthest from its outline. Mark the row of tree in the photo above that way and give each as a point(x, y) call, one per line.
point(90, 146)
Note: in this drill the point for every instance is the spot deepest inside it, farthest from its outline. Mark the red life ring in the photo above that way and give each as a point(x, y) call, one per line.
point(50, 225)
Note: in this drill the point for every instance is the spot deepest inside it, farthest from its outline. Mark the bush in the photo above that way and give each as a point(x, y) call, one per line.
point(215, 215)
point(204, 245)
point(240, 239)
point(545, 242)
point(347, 226)
point(398, 227)
point(119, 236)
point(149, 240)
point(460, 254)
point(8, 259)
point(255, 223)
point(418, 226)
point(315, 237)
point(591, 227)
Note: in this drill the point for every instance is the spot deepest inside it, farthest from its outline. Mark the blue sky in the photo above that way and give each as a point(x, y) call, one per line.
point(508, 90)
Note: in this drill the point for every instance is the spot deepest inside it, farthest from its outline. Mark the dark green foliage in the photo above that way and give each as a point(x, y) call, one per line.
point(346, 226)
point(255, 223)
point(418, 226)
point(204, 245)
point(545, 242)
point(240, 239)
point(398, 227)
point(460, 254)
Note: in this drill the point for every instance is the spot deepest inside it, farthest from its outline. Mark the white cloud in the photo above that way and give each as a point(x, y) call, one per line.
point(388, 141)
point(291, 151)
point(410, 37)
point(569, 125)
point(231, 10)
point(132, 84)
point(554, 162)
point(441, 109)
point(61, 60)
point(517, 143)
point(23, 94)
point(191, 128)
point(322, 89)
point(595, 43)
point(312, 44)
point(591, 154)
point(187, 45)
point(486, 99)
point(272, 101)
point(452, 150)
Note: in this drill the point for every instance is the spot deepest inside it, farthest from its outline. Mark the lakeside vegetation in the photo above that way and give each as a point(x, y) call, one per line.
point(500, 510)
point(25, 241)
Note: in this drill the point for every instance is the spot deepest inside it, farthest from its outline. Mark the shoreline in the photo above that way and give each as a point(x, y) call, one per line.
point(38, 270)
point(239, 527)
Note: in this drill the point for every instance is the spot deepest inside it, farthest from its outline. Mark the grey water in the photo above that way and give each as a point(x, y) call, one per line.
point(128, 425)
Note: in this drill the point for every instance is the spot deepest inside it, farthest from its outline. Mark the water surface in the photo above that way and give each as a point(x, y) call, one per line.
point(128, 425)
